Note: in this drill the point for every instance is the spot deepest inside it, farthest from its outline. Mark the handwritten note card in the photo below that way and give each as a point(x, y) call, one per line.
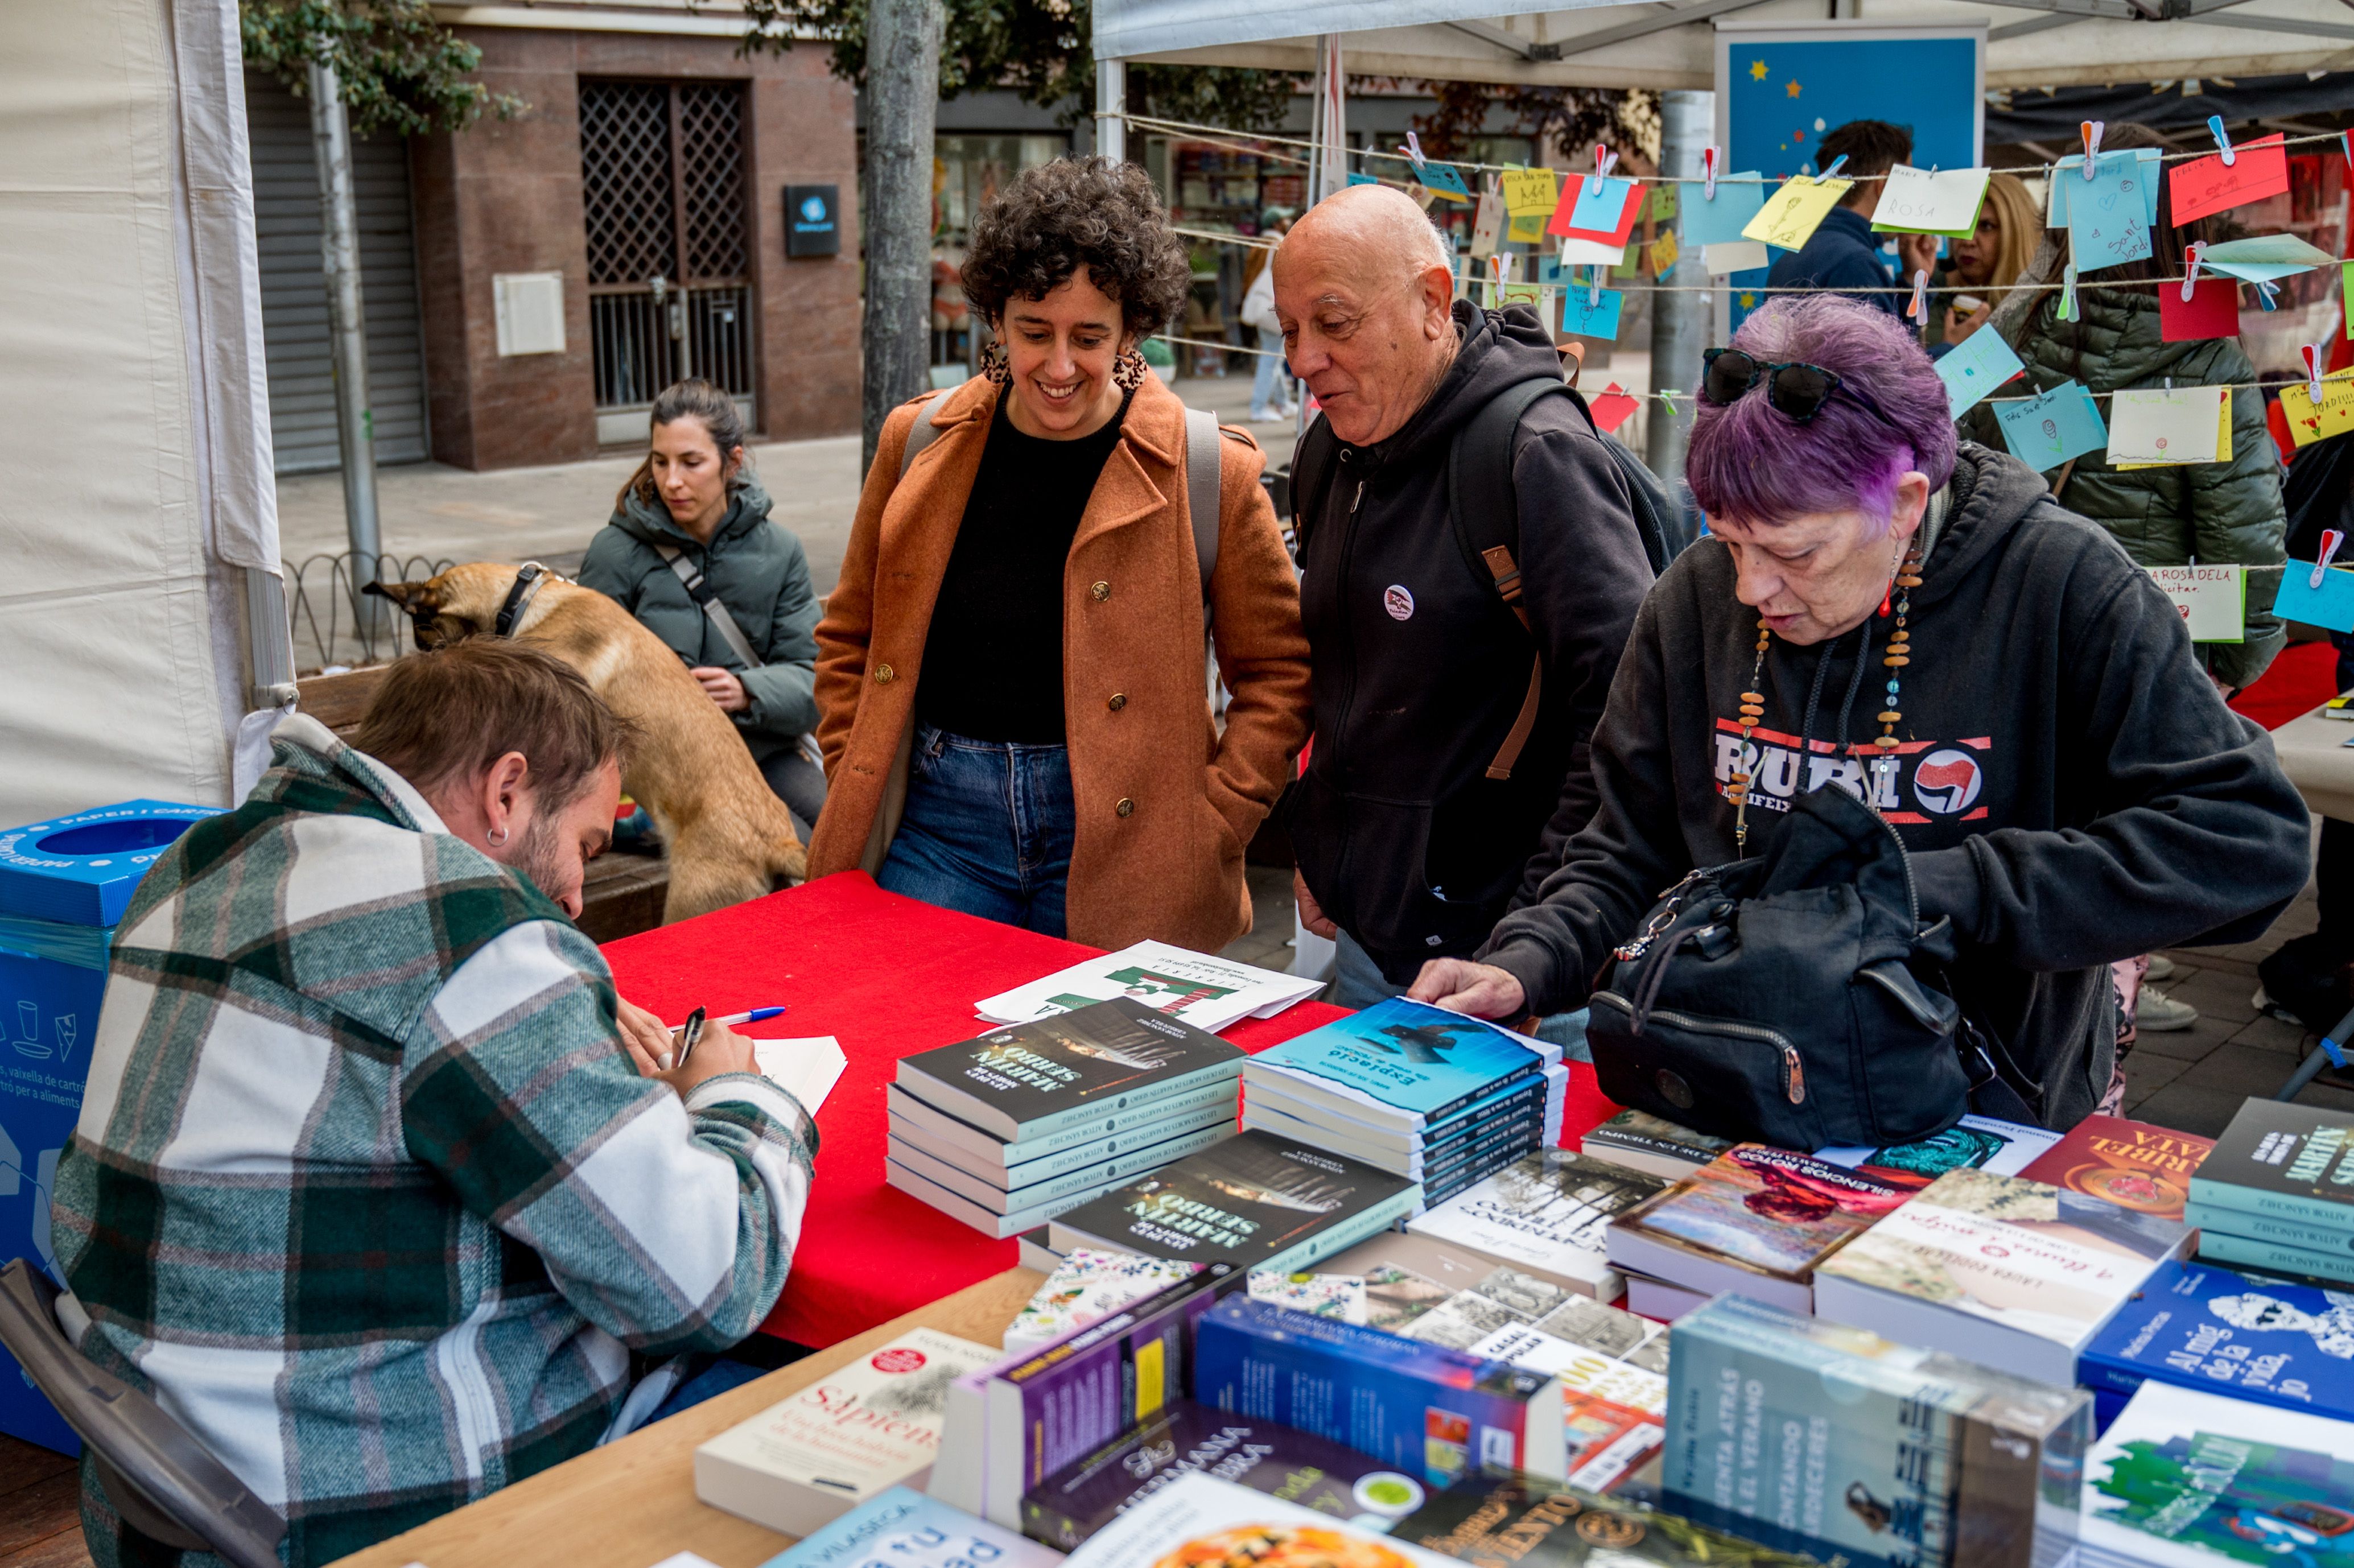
point(1792, 214)
point(1591, 253)
point(1720, 220)
point(2068, 178)
point(1528, 294)
point(2308, 424)
point(1487, 225)
point(2169, 426)
point(2222, 441)
point(1599, 319)
point(2331, 605)
point(1663, 203)
point(1662, 255)
point(1532, 190)
point(1441, 180)
point(1975, 367)
point(2213, 599)
point(2046, 431)
point(1923, 201)
point(2258, 169)
point(2109, 223)
point(1596, 209)
point(1622, 208)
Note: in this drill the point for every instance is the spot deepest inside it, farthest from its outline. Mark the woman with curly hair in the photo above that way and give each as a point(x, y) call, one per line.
point(1010, 678)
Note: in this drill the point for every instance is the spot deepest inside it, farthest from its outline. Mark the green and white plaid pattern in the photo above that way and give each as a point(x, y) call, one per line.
point(365, 1189)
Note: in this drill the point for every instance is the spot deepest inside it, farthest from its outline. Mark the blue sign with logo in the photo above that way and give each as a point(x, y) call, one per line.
point(812, 222)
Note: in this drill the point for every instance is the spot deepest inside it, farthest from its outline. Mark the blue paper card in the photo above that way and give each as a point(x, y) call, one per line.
point(1599, 319)
point(1600, 210)
point(2108, 220)
point(1550, 270)
point(1442, 177)
point(1976, 366)
point(2331, 605)
point(1720, 222)
point(1356, 179)
point(2069, 175)
point(2047, 429)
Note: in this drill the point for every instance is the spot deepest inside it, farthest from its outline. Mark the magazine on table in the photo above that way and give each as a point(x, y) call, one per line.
point(1206, 991)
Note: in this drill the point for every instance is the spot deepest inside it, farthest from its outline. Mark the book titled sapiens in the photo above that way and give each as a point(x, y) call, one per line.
point(1065, 1069)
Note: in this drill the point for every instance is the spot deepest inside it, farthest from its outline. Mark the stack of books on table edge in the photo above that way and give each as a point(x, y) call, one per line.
point(2276, 1193)
point(1547, 1214)
point(1444, 1099)
point(1008, 1129)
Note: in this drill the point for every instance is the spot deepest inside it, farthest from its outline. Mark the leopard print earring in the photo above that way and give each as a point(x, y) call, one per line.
point(993, 365)
point(1128, 371)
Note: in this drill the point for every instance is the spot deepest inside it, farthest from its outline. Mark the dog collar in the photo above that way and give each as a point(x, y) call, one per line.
point(519, 598)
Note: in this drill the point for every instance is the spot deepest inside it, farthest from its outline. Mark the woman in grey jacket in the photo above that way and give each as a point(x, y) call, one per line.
point(690, 551)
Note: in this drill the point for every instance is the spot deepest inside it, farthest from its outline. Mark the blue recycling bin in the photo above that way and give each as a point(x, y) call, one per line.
point(63, 885)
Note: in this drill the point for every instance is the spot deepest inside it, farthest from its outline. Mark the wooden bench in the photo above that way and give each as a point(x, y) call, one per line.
point(623, 890)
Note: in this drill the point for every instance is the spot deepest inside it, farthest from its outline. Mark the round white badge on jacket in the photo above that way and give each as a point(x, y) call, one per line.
point(1397, 601)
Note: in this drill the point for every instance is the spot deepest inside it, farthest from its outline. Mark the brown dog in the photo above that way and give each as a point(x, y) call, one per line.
point(729, 837)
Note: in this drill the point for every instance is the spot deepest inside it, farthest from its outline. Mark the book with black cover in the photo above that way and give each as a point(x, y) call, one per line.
point(1034, 1079)
point(1539, 1523)
point(2292, 1161)
point(1256, 1201)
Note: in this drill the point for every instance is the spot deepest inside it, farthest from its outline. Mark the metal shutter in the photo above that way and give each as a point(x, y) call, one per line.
point(295, 296)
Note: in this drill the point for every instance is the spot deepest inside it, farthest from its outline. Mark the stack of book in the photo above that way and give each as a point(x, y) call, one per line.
point(1757, 1220)
point(1433, 1095)
point(1547, 1214)
point(1007, 1131)
point(2277, 1192)
point(1653, 1145)
point(1087, 1287)
point(1529, 1522)
point(1206, 991)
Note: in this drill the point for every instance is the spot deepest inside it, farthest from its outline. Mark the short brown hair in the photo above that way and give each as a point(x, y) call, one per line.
point(1057, 217)
point(1869, 146)
point(451, 713)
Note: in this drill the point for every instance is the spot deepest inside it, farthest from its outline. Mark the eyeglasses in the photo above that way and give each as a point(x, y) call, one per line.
point(1795, 390)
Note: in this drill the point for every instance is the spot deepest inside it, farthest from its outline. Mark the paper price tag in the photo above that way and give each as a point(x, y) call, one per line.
point(1792, 214)
point(2258, 169)
point(2213, 599)
point(2049, 428)
point(1533, 191)
point(1920, 201)
point(2165, 427)
point(2308, 424)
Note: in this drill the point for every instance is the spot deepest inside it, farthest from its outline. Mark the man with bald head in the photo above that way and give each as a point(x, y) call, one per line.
point(1447, 772)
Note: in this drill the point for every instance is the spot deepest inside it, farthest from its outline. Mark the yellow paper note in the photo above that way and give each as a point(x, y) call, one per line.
point(1793, 213)
point(1530, 190)
point(2306, 424)
point(1663, 254)
point(1527, 228)
point(1525, 294)
point(2223, 443)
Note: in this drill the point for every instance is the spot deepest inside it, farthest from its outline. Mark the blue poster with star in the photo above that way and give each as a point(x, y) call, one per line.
point(1780, 89)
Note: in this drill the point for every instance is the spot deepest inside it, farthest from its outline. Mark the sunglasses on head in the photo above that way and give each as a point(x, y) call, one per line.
point(1796, 391)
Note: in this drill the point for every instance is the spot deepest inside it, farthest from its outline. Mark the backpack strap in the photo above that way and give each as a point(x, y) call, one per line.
point(921, 434)
point(1487, 517)
point(1204, 454)
point(702, 593)
point(1313, 462)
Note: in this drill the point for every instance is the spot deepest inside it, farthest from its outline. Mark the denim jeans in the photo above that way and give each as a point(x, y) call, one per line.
point(988, 830)
point(1271, 383)
point(1357, 982)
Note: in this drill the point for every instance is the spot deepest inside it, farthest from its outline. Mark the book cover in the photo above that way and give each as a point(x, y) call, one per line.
point(2045, 1262)
point(1974, 1143)
point(1418, 1408)
point(2332, 1267)
point(1773, 1210)
point(2185, 1479)
point(1582, 1370)
point(1251, 1200)
point(1341, 1297)
point(1532, 1523)
point(908, 1530)
point(1200, 1521)
point(1605, 1442)
point(1037, 1077)
point(1399, 1062)
point(1548, 1210)
point(1086, 1287)
point(842, 1440)
point(1184, 1438)
point(2197, 1326)
point(1205, 991)
point(2287, 1159)
point(1664, 1149)
point(2130, 1163)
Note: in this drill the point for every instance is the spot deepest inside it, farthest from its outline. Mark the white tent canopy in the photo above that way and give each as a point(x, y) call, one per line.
point(139, 604)
point(2030, 43)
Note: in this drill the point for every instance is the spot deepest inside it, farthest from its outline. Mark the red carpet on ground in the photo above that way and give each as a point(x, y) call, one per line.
point(2304, 677)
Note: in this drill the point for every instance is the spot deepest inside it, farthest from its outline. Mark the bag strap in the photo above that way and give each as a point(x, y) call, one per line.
point(1312, 461)
point(700, 592)
point(1204, 444)
point(1487, 517)
point(921, 434)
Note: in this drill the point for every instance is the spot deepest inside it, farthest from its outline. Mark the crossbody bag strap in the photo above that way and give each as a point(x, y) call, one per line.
point(700, 592)
point(921, 434)
point(1479, 497)
point(1204, 483)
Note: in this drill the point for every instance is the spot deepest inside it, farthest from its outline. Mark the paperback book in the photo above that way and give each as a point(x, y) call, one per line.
point(845, 1438)
point(1110, 1132)
point(1398, 1063)
point(1548, 1214)
point(2005, 1271)
point(2130, 1163)
point(907, 1529)
point(1087, 1287)
point(1758, 1220)
point(1068, 1184)
point(2196, 1326)
point(1204, 991)
point(987, 1221)
point(1068, 1070)
point(1516, 1120)
point(1200, 1521)
point(1530, 1521)
point(1656, 1147)
point(1254, 1200)
point(2285, 1162)
point(1974, 1143)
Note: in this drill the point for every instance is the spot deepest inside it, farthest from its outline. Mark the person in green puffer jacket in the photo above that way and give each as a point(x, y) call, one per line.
point(2220, 514)
point(693, 495)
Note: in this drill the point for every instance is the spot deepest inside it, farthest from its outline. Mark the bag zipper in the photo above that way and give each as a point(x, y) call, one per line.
point(1794, 1071)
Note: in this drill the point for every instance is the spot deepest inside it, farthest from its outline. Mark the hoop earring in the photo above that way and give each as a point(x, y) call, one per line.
point(498, 837)
point(993, 366)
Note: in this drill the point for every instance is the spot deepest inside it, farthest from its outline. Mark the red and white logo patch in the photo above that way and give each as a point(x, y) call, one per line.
point(1945, 782)
point(1944, 778)
point(898, 1359)
point(1399, 602)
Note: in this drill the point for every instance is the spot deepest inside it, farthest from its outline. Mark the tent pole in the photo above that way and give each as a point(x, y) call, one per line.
point(1112, 102)
point(339, 247)
point(1680, 322)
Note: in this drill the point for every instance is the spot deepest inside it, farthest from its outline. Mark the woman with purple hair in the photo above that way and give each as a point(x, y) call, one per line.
point(1917, 622)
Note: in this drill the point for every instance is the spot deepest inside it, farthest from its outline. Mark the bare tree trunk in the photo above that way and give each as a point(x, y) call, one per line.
point(903, 89)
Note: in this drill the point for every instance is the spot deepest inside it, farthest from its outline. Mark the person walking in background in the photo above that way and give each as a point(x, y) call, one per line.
point(691, 552)
point(1445, 776)
point(2220, 514)
point(1843, 253)
point(1271, 382)
point(1016, 714)
point(2010, 225)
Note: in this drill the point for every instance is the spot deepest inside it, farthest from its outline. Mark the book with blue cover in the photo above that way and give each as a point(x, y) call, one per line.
point(908, 1530)
point(1399, 1064)
point(2197, 1326)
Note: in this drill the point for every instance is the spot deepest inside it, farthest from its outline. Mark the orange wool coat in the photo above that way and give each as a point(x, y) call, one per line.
point(1165, 802)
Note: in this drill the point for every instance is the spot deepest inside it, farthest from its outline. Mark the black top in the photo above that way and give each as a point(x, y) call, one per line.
point(993, 658)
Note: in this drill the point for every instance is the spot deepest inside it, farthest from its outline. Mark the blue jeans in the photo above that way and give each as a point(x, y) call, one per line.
point(1357, 982)
point(1270, 384)
point(988, 830)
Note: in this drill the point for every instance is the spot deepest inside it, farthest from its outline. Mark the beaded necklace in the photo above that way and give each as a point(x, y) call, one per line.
point(1898, 599)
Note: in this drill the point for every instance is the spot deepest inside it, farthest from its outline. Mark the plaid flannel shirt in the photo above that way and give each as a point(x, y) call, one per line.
point(365, 1189)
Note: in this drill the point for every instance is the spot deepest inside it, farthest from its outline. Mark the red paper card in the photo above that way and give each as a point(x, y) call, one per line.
point(2212, 310)
point(2259, 169)
point(1559, 224)
point(1610, 410)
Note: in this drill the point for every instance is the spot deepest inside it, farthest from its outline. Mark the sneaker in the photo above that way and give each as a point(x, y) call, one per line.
point(2161, 1013)
point(2264, 1003)
point(2161, 967)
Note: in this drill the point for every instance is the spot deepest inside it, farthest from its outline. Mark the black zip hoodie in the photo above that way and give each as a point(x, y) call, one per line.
point(2071, 789)
point(1419, 669)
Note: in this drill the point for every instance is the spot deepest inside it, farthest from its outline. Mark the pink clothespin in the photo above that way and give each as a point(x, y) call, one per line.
point(2312, 351)
point(2192, 255)
point(1413, 150)
point(2330, 539)
point(1708, 167)
point(2091, 130)
point(1920, 307)
point(1605, 160)
point(2222, 139)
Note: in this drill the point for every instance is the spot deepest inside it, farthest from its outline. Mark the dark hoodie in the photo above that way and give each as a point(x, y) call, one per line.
point(2071, 789)
point(1420, 669)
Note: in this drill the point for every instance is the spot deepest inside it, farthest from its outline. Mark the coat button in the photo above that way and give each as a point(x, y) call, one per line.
point(1118, 700)
point(1102, 591)
point(1127, 808)
point(882, 674)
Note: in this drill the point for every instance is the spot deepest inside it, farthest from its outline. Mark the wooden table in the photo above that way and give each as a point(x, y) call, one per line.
point(632, 1503)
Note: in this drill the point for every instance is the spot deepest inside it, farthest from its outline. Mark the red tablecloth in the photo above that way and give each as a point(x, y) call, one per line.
point(886, 976)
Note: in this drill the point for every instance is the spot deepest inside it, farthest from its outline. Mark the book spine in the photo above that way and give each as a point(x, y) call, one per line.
point(2325, 1212)
point(1280, 1081)
point(1638, 1143)
point(2322, 1268)
point(2271, 1228)
point(1340, 1237)
point(2117, 1377)
point(1454, 1184)
point(950, 1100)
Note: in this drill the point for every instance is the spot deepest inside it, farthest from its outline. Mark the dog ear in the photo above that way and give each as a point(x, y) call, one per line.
point(410, 597)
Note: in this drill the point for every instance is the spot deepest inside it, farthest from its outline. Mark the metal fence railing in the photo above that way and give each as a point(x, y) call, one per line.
point(334, 629)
